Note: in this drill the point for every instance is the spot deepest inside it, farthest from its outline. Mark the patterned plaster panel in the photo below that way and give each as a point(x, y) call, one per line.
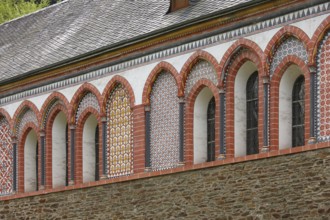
point(89, 100)
point(27, 117)
point(202, 69)
point(164, 123)
point(288, 46)
point(119, 133)
point(323, 90)
point(6, 158)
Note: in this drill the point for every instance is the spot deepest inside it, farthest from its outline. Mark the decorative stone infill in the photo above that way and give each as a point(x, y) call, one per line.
point(183, 48)
point(174, 170)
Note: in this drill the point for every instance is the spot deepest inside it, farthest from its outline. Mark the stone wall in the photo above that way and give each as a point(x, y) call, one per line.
point(294, 186)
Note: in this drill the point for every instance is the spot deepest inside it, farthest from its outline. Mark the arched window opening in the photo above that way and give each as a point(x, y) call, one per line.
point(59, 150)
point(204, 134)
point(298, 112)
point(89, 149)
point(252, 143)
point(211, 130)
point(31, 162)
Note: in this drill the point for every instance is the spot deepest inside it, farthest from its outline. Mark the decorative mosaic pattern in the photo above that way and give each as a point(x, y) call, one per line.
point(6, 158)
point(27, 117)
point(288, 46)
point(323, 90)
point(216, 39)
point(164, 123)
point(202, 69)
point(89, 100)
point(119, 133)
point(49, 109)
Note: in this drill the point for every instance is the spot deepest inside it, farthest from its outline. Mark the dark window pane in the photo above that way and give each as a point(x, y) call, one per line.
point(211, 130)
point(97, 175)
point(298, 112)
point(252, 114)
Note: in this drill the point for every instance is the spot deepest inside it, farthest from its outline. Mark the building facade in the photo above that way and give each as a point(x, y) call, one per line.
point(97, 90)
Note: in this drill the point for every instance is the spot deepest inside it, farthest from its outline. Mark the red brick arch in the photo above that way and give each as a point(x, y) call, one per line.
point(49, 142)
point(318, 36)
point(276, 40)
point(241, 43)
point(78, 174)
point(230, 98)
point(153, 76)
point(193, 59)
point(274, 98)
point(111, 85)
point(79, 95)
point(47, 104)
point(189, 118)
point(24, 105)
point(20, 176)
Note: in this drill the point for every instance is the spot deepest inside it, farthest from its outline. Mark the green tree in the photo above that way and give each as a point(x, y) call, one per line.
point(10, 9)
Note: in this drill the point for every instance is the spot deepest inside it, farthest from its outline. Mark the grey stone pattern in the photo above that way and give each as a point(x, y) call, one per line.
point(112, 69)
point(289, 46)
point(164, 123)
point(322, 108)
point(202, 69)
point(89, 100)
point(26, 117)
point(292, 186)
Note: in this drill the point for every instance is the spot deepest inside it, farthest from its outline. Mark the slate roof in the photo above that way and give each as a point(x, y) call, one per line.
point(75, 27)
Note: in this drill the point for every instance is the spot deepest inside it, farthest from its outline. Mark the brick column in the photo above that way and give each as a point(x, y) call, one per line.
point(181, 130)
point(222, 152)
point(265, 147)
point(147, 138)
point(104, 148)
point(72, 153)
point(139, 138)
point(14, 141)
point(42, 156)
point(312, 105)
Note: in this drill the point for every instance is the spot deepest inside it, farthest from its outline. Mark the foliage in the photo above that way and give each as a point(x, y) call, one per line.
point(10, 9)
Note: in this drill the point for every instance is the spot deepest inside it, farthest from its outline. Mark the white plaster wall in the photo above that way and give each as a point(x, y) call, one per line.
point(262, 39)
point(30, 178)
point(285, 106)
point(309, 26)
point(219, 50)
point(200, 125)
point(11, 108)
point(39, 100)
point(241, 79)
point(59, 150)
point(89, 149)
point(69, 92)
point(101, 83)
point(179, 61)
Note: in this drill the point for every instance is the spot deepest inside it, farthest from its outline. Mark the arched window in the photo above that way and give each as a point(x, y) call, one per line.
point(298, 112)
point(252, 143)
point(211, 130)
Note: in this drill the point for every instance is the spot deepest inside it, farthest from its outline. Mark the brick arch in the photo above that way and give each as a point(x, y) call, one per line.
point(274, 98)
point(48, 103)
point(286, 31)
point(189, 118)
point(230, 98)
point(78, 173)
point(239, 44)
point(153, 76)
point(18, 113)
point(318, 36)
point(109, 88)
point(193, 59)
point(79, 95)
point(49, 142)
point(20, 151)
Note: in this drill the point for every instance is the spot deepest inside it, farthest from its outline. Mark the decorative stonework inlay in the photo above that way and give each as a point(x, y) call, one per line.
point(288, 46)
point(119, 133)
point(26, 117)
point(202, 69)
point(164, 123)
point(48, 111)
point(6, 158)
point(89, 100)
point(323, 90)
